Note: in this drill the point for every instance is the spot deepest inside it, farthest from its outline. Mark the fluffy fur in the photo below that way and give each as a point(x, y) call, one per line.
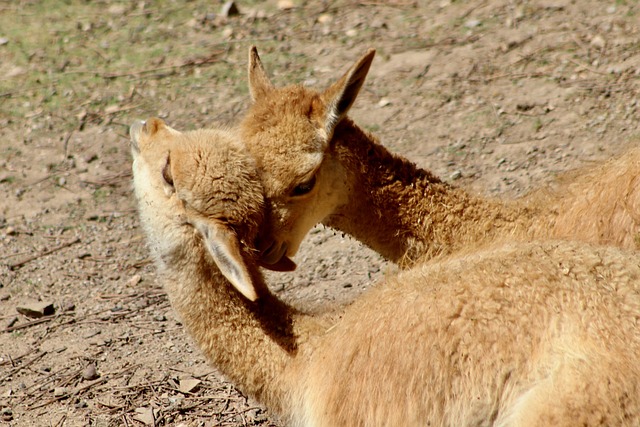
point(401, 211)
point(517, 334)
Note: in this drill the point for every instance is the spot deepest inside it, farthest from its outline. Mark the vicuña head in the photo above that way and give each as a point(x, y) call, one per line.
point(318, 166)
point(518, 335)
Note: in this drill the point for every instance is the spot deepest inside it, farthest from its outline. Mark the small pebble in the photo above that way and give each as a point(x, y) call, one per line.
point(59, 391)
point(36, 310)
point(472, 23)
point(188, 385)
point(67, 306)
point(134, 280)
point(229, 8)
point(325, 18)
point(90, 372)
point(598, 41)
point(285, 5)
point(12, 321)
point(7, 415)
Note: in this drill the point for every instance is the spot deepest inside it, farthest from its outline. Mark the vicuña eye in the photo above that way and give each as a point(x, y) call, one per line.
point(304, 188)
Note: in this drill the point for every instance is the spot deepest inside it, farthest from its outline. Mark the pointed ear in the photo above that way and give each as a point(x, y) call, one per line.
point(340, 96)
point(224, 247)
point(259, 83)
point(153, 126)
point(135, 129)
point(134, 134)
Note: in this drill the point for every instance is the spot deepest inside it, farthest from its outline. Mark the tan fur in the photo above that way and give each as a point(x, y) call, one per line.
point(401, 211)
point(516, 334)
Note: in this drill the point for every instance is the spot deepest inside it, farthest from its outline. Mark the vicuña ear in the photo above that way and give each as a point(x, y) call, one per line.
point(147, 129)
point(259, 83)
point(340, 96)
point(135, 130)
point(153, 126)
point(224, 247)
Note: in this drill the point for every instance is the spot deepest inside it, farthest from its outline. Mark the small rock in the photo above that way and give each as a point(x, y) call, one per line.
point(378, 23)
point(615, 69)
point(12, 321)
point(188, 385)
point(227, 32)
point(3, 41)
point(351, 33)
point(36, 310)
point(160, 318)
point(598, 41)
point(135, 279)
point(384, 102)
point(7, 415)
point(455, 175)
point(117, 9)
point(67, 306)
point(5, 297)
point(285, 5)
point(60, 391)
point(102, 421)
point(117, 308)
point(325, 18)
point(145, 416)
point(473, 23)
point(90, 372)
point(15, 72)
point(229, 8)
point(80, 404)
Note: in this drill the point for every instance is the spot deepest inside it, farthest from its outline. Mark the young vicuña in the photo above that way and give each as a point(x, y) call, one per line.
point(529, 334)
point(318, 166)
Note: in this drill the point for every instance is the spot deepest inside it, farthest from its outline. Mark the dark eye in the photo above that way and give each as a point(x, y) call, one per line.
point(304, 188)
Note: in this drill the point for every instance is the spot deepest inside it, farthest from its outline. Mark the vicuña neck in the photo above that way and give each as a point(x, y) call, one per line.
point(252, 343)
point(404, 212)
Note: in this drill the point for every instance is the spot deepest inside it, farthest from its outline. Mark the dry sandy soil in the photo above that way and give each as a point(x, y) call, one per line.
point(498, 96)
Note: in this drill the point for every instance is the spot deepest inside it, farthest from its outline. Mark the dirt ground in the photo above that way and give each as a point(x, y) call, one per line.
point(498, 96)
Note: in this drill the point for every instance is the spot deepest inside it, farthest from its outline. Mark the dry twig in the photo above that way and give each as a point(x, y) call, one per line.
point(18, 264)
point(188, 63)
point(19, 368)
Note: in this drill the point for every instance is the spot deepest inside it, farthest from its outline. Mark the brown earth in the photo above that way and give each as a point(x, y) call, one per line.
point(499, 96)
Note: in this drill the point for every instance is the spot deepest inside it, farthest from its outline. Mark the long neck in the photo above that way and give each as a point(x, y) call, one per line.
point(404, 212)
point(253, 344)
